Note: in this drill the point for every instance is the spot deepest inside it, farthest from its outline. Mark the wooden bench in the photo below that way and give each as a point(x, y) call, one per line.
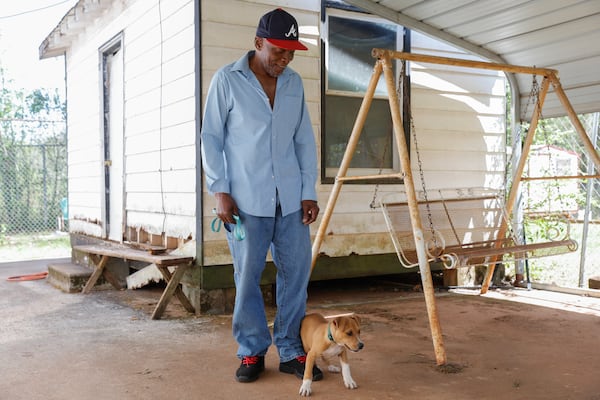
point(99, 254)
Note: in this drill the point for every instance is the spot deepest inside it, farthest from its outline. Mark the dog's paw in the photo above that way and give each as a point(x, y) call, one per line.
point(350, 384)
point(334, 369)
point(305, 389)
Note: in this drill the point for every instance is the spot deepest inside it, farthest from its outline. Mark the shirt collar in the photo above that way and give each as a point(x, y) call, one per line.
point(243, 65)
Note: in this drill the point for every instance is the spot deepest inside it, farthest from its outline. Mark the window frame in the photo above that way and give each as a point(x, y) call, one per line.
point(328, 174)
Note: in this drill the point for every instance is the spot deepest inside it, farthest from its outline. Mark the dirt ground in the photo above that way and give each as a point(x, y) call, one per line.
point(508, 344)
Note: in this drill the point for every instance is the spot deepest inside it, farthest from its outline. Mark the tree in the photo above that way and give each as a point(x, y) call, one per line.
point(32, 157)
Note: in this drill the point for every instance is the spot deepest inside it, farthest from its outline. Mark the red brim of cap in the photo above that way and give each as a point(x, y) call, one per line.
point(288, 44)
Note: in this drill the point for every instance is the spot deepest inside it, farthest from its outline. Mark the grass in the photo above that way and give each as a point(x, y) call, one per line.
point(34, 246)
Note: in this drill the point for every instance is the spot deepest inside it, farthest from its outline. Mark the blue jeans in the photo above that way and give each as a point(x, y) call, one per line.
point(289, 241)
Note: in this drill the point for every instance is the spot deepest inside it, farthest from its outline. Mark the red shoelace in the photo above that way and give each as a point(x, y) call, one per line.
point(301, 359)
point(250, 360)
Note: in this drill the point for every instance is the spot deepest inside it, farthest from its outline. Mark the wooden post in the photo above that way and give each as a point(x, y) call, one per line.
point(350, 148)
point(514, 189)
point(517, 69)
point(415, 218)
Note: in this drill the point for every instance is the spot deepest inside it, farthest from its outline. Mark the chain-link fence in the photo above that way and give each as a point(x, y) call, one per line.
point(33, 166)
point(33, 182)
point(33, 178)
point(559, 151)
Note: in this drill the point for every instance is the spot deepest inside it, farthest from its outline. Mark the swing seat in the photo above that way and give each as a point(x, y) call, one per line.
point(461, 228)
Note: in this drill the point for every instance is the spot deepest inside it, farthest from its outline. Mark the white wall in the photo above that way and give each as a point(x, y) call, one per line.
point(459, 117)
point(159, 118)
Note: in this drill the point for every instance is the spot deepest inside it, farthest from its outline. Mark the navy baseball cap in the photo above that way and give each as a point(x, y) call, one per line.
point(280, 29)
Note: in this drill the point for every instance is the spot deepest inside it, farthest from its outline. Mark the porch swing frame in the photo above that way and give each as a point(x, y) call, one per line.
point(383, 65)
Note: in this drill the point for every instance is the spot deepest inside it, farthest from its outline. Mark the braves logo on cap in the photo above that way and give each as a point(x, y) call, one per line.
point(292, 32)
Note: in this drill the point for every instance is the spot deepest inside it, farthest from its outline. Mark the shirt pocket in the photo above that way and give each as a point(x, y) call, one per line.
point(288, 114)
point(291, 106)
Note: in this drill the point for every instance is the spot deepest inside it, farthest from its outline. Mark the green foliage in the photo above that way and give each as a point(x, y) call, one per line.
point(560, 134)
point(546, 228)
point(32, 157)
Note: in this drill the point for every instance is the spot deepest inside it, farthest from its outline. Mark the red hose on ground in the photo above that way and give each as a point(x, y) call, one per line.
point(30, 277)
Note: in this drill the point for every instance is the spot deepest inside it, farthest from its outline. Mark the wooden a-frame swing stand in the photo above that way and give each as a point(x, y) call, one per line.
point(384, 64)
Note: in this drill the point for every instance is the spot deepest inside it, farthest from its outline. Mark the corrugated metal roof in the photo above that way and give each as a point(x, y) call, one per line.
point(558, 34)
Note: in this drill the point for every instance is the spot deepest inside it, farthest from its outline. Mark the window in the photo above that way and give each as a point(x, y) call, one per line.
point(349, 66)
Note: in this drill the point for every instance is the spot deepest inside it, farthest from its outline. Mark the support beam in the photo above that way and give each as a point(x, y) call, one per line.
point(415, 217)
point(514, 189)
point(457, 62)
point(350, 149)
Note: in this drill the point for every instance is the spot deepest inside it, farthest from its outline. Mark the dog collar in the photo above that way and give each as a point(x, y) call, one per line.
point(329, 335)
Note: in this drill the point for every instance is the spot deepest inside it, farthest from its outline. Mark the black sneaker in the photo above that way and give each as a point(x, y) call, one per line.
point(250, 368)
point(296, 367)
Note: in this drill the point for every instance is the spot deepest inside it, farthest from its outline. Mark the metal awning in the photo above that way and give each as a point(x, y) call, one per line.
point(557, 34)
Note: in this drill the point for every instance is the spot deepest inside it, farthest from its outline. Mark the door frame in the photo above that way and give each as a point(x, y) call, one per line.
point(105, 52)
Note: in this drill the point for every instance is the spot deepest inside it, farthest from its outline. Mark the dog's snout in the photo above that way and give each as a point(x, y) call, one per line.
point(360, 345)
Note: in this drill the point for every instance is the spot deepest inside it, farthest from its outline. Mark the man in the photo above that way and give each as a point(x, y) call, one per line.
point(260, 161)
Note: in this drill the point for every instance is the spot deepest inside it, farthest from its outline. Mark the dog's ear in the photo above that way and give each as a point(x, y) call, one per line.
point(355, 317)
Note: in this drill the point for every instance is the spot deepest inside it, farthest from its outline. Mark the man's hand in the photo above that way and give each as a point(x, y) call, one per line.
point(226, 207)
point(310, 211)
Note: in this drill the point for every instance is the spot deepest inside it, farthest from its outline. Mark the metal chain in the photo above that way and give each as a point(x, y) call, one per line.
point(373, 203)
point(534, 96)
point(419, 164)
point(535, 89)
point(382, 162)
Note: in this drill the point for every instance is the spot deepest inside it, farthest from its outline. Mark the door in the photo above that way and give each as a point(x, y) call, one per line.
point(113, 141)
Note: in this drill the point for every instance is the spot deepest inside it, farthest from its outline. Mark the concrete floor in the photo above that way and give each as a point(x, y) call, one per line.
point(506, 345)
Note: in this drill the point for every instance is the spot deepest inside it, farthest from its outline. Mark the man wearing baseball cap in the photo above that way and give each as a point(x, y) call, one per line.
point(260, 163)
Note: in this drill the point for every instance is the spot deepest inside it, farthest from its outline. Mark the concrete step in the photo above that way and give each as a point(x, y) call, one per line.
point(68, 277)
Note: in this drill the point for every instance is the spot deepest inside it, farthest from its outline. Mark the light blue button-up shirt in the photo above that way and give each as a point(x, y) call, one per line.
point(253, 152)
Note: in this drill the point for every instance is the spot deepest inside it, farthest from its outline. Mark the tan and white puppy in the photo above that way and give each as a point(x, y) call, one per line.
point(327, 338)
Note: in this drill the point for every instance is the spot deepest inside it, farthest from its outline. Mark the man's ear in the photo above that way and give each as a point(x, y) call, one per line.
point(258, 42)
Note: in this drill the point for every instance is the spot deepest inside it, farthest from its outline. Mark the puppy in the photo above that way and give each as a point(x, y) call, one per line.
point(324, 338)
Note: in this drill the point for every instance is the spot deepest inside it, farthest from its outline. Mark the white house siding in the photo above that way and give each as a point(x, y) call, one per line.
point(228, 30)
point(160, 141)
point(459, 117)
point(85, 135)
point(159, 118)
